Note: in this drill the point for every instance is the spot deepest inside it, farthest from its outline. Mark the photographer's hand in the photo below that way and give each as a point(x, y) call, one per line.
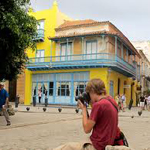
point(87, 123)
point(81, 105)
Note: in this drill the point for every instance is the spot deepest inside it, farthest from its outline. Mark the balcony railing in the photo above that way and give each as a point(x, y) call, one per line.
point(40, 35)
point(82, 60)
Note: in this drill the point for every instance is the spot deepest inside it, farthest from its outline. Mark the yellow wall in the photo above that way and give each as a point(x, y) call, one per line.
point(28, 87)
point(52, 19)
point(101, 73)
point(94, 73)
point(114, 77)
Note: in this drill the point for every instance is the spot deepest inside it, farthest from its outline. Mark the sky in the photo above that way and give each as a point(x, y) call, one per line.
point(132, 17)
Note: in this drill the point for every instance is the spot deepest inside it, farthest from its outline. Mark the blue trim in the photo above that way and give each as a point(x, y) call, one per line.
point(122, 51)
point(60, 51)
point(72, 80)
point(72, 89)
point(76, 62)
point(127, 53)
point(54, 92)
point(66, 50)
point(116, 46)
point(91, 42)
point(65, 56)
point(47, 89)
point(40, 35)
point(41, 50)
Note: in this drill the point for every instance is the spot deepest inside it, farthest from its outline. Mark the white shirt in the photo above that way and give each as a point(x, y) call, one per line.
point(148, 99)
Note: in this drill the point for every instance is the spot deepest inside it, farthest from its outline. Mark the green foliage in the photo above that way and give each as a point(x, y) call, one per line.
point(17, 30)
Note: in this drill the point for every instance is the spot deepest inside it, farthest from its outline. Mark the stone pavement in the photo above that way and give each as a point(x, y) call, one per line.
point(36, 116)
point(38, 130)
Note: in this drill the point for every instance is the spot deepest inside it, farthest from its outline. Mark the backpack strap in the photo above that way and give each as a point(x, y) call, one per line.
point(110, 102)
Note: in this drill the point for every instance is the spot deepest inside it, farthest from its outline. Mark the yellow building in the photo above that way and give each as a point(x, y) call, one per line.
point(82, 50)
point(48, 20)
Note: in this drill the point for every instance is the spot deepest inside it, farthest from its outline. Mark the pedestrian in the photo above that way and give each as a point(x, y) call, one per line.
point(120, 105)
point(40, 95)
point(117, 98)
point(123, 98)
point(148, 103)
point(102, 122)
point(4, 103)
point(142, 99)
point(145, 102)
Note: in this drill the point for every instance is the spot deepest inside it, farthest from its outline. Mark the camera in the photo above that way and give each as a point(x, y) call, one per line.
point(84, 98)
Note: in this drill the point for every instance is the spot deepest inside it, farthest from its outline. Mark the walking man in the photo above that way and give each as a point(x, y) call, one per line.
point(4, 103)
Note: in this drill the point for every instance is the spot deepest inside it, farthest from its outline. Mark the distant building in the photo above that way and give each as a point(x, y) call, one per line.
point(144, 72)
point(144, 46)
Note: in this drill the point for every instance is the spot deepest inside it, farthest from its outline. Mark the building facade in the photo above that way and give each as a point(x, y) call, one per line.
point(82, 50)
point(144, 46)
point(144, 72)
point(48, 20)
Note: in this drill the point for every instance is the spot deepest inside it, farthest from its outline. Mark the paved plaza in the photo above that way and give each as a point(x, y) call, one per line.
point(38, 130)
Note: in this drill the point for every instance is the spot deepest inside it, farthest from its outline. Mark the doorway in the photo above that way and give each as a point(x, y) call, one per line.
point(118, 86)
point(12, 90)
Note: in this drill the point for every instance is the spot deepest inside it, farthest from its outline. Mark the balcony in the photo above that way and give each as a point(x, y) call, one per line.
point(95, 60)
point(40, 35)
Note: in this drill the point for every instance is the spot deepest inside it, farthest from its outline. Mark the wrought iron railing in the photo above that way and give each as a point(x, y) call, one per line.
point(40, 34)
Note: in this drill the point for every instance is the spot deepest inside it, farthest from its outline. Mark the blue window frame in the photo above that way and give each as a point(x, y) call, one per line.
point(65, 52)
point(40, 24)
point(63, 88)
point(40, 55)
point(91, 49)
point(79, 87)
point(51, 88)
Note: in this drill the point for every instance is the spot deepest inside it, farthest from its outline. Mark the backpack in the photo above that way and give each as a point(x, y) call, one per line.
point(120, 139)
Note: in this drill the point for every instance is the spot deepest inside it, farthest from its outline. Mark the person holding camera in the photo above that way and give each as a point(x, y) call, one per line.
point(103, 119)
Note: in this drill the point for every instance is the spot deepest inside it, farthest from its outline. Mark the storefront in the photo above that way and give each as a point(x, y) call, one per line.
point(59, 88)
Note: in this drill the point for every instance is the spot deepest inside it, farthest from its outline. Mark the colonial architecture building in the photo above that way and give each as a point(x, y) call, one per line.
point(79, 51)
point(144, 46)
point(48, 20)
point(144, 72)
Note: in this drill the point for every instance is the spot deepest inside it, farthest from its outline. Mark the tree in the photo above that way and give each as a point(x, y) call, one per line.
point(17, 30)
